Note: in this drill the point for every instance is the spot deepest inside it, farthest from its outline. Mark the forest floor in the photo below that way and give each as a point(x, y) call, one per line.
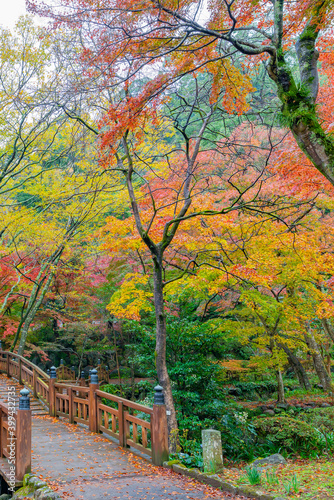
point(315, 478)
point(81, 465)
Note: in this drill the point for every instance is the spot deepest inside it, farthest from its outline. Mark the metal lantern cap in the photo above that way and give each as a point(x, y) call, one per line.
point(24, 401)
point(159, 398)
point(53, 372)
point(93, 377)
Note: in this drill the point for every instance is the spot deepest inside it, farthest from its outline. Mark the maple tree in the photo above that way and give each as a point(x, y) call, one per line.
point(173, 189)
point(229, 38)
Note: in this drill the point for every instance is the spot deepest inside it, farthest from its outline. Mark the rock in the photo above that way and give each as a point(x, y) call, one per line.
point(5, 497)
point(284, 406)
point(35, 483)
point(27, 478)
point(270, 413)
point(271, 407)
point(23, 494)
point(275, 459)
point(325, 405)
point(46, 494)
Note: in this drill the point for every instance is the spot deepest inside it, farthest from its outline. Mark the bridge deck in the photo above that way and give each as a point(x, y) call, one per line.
point(82, 465)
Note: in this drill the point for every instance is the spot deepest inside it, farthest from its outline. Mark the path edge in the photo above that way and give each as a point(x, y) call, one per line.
point(217, 482)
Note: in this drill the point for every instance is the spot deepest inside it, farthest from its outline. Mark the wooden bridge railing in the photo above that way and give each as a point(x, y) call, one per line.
point(132, 424)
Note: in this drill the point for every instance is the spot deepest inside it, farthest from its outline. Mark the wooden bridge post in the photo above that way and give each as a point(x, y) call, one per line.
point(7, 366)
point(52, 391)
point(159, 428)
point(23, 436)
point(93, 386)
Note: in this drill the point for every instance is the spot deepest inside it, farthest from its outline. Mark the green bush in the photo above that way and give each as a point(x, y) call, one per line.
point(292, 435)
point(320, 418)
point(248, 390)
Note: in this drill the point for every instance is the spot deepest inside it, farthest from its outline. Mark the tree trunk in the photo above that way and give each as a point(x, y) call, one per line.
point(318, 362)
point(160, 352)
point(280, 387)
point(33, 308)
point(298, 368)
point(328, 328)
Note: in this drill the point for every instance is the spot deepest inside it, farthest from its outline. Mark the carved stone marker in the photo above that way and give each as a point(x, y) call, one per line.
point(212, 450)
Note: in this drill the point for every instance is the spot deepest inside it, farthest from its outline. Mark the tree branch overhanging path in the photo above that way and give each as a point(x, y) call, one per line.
point(282, 34)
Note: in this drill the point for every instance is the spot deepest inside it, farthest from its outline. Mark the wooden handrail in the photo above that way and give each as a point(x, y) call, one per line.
point(126, 402)
point(26, 362)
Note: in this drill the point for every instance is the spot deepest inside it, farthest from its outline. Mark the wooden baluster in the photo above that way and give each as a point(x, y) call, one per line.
point(113, 422)
point(23, 436)
point(7, 366)
point(70, 406)
point(121, 423)
point(20, 371)
point(144, 436)
point(34, 382)
point(126, 428)
point(135, 433)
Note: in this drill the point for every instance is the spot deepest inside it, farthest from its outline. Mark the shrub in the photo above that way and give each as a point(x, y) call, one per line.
point(321, 418)
point(287, 433)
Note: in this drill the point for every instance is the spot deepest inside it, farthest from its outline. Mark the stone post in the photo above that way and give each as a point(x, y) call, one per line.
point(212, 450)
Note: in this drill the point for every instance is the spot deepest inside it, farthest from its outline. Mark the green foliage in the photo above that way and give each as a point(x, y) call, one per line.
point(263, 388)
point(253, 475)
point(320, 418)
point(271, 478)
point(128, 391)
point(290, 434)
point(189, 451)
point(292, 485)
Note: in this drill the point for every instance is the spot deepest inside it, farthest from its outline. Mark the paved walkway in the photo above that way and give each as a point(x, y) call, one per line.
point(81, 465)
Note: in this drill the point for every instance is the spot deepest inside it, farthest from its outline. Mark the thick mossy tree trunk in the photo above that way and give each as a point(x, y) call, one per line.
point(298, 99)
point(298, 368)
point(318, 362)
